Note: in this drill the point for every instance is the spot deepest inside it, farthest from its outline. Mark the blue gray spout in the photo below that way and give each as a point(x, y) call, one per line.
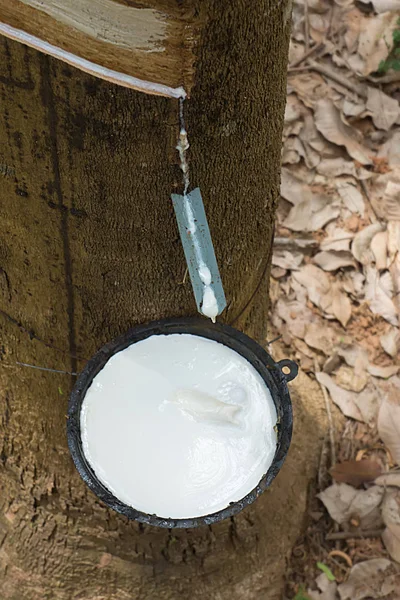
point(199, 253)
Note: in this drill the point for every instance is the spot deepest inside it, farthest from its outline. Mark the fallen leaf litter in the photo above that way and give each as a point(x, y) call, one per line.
point(335, 287)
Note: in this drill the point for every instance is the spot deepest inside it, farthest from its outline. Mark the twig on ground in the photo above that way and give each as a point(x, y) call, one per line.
point(324, 70)
point(303, 69)
point(296, 243)
point(373, 215)
point(329, 413)
point(347, 442)
point(293, 70)
point(306, 55)
point(322, 470)
point(349, 535)
point(306, 27)
point(321, 551)
point(340, 566)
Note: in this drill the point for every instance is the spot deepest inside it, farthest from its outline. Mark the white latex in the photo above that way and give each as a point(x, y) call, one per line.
point(178, 426)
point(209, 306)
point(90, 67)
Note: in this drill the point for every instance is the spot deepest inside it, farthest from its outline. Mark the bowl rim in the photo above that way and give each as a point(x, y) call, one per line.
point(271, 372)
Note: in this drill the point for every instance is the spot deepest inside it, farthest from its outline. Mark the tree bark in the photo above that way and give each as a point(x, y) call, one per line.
point(127, 42)
point(88, 248)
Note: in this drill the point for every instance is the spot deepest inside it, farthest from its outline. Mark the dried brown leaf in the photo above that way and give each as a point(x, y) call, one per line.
point(343, 503)
point(384, 110)
point(379, 248)
point(387, 284)
point(356, 63)
point(340, 306)
point(368, 403)
point(353, 283)
point(391, 508)
point(382, 6)
point(364, 405)
point(391, 518)
point(309, 87)
point(313, 142)
point(296, 52)
point(361, 246)
point(335, 167)
point(353, 27)
point(354, 356)
point(295, 314)
point(287, 260)
point(352, 109)
point(314, 280)
point(385, 195)
point(321, 217)
point(376, 40)
point(311, 215)
point(300, 292)
point(293, 151)
point(369, 579)
point(393, 231)
point(379, 301)
point(311, 136)
point(383, 372)
point(293, 107)
point(329, 123)
point(389, 422)
point(338, 239)
point(349, 379)
point(320, 337)
point(303, 348)
point(395, 277)
point(344, 399)
point(352, 197)
point(278, 273)
point(391, 539)
point(331, 364)
point(331, 261)
point(292, 189)
point(389, 479)
point(356, 472)
point(391, 200)
point(327, 589)
point(319, 25)
point(389, 150)
point(390, 341)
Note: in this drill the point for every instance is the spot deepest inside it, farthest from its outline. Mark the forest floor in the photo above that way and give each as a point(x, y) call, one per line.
point(335, 288)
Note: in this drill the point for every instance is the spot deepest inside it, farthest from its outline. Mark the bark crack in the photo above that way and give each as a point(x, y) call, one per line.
point(49, 103)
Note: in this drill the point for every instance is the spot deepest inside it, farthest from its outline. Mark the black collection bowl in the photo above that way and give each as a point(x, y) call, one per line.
point(271, 372)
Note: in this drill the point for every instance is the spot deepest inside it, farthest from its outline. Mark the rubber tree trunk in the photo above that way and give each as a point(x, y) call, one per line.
point(88, 248)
